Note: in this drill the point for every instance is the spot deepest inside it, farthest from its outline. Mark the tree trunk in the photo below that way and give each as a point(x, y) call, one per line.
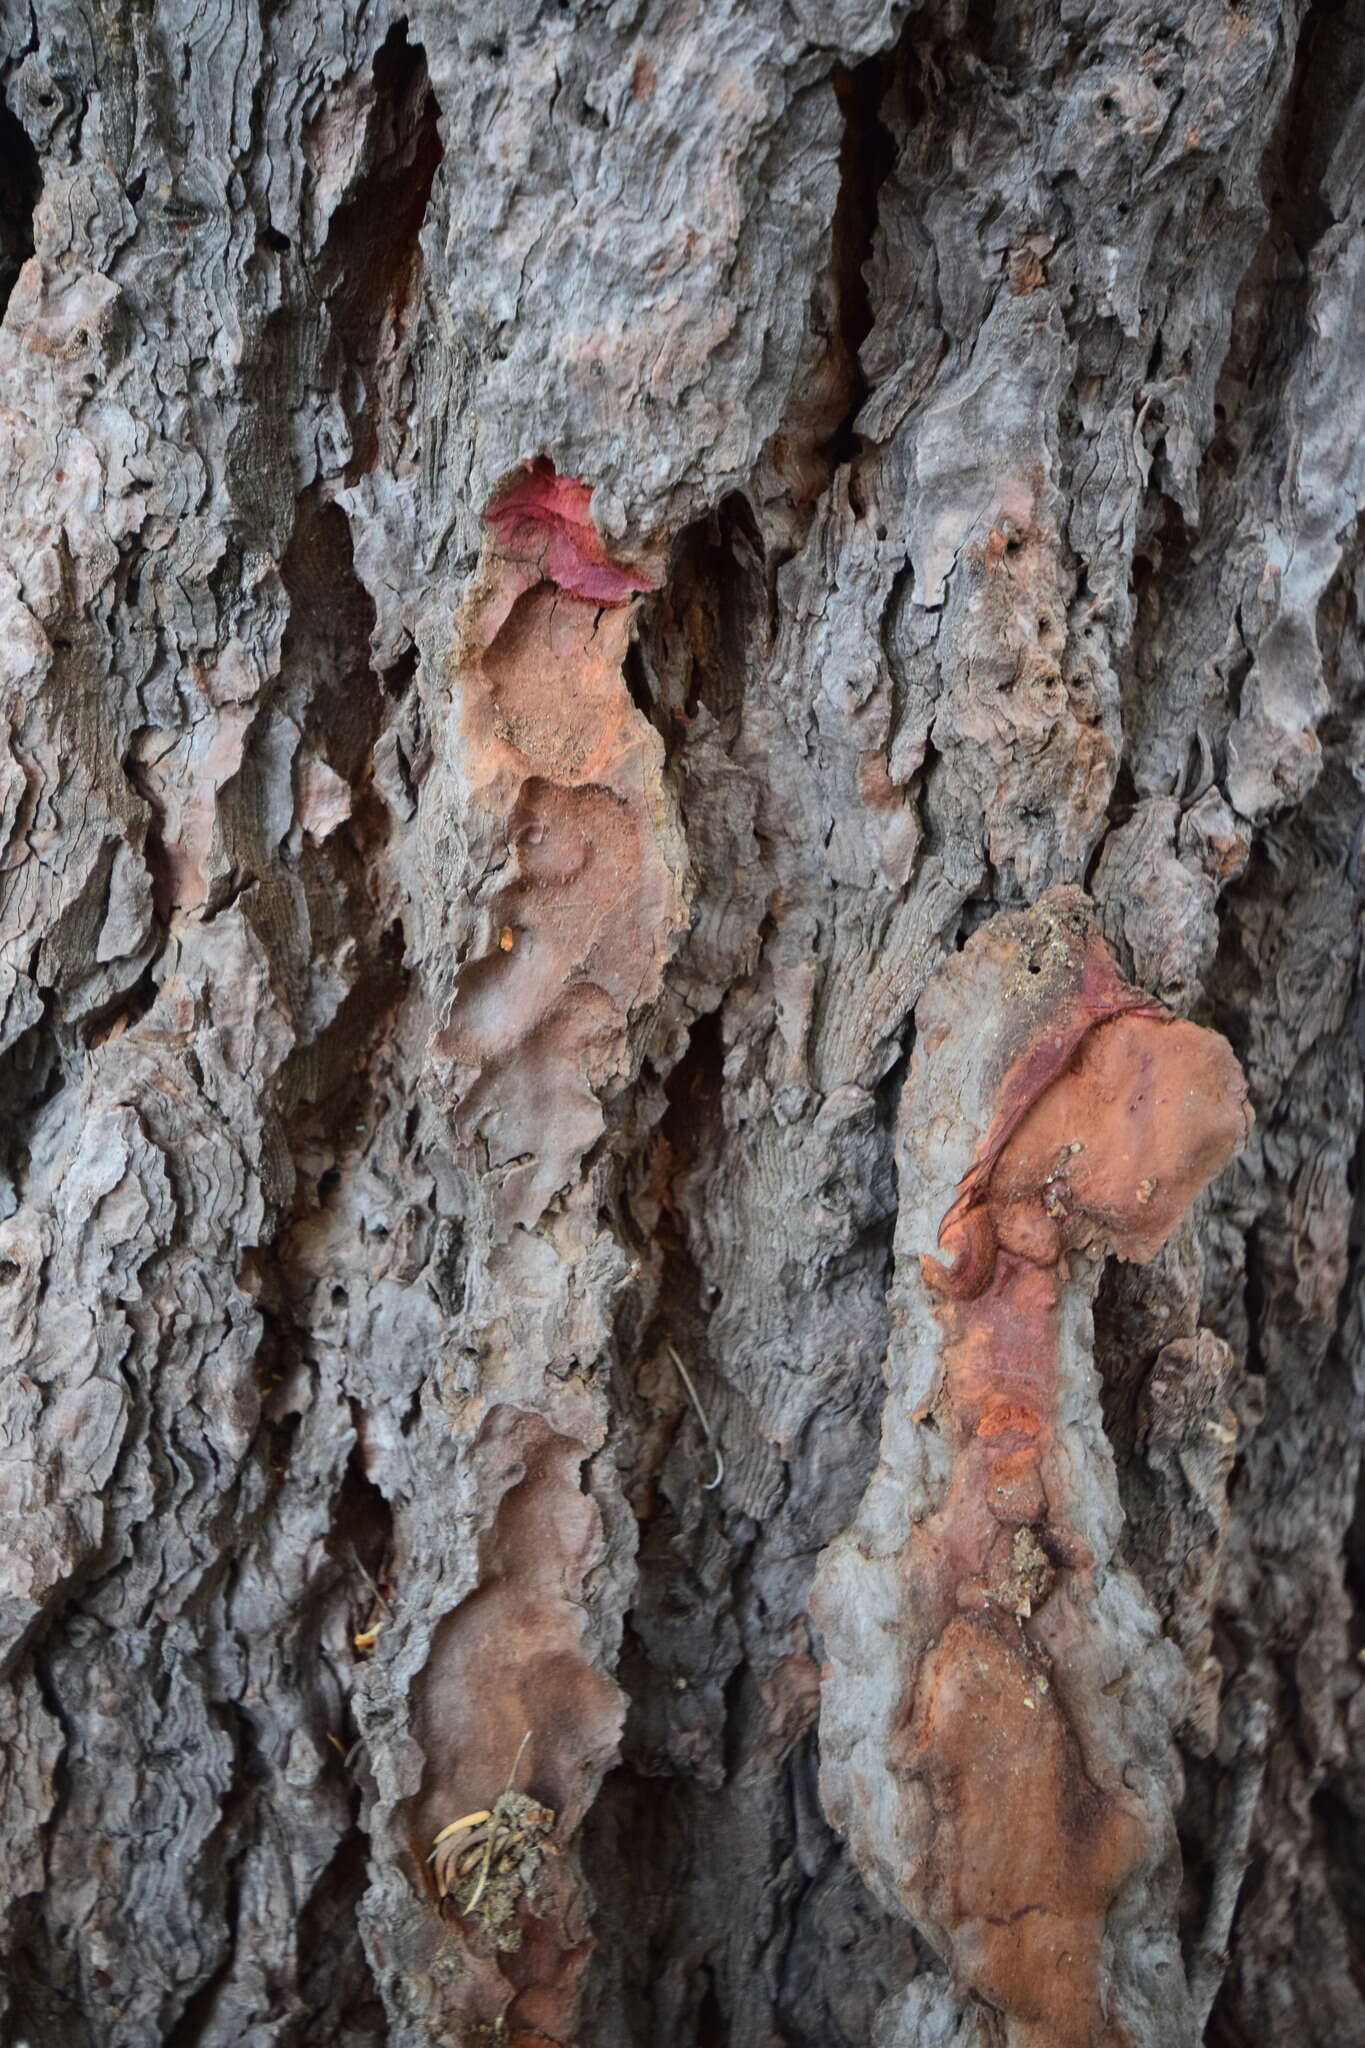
point(561, 562)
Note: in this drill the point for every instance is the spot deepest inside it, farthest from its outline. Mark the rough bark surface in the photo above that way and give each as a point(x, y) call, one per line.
point(557, 562)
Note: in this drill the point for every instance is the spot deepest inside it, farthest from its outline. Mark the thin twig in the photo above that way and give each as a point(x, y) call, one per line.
point(710, 1485)
point(516, 1762)
point(369, 1581)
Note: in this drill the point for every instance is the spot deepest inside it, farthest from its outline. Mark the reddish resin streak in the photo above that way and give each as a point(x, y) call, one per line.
point(543, 518)
point(1110, 1121)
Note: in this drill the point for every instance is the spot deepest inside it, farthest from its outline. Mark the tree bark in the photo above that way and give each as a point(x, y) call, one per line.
point(559, 563)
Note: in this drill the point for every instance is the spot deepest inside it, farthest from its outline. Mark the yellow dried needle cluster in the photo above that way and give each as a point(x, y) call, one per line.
point(485, 1862)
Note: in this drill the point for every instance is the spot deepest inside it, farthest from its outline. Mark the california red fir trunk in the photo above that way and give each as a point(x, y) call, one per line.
point(582, 1459)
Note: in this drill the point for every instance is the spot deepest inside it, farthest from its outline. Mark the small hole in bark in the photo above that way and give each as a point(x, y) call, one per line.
point(397, 679)
point(712, 2029)
point(9, 1272)
point(1108, 105)
point(1013, 545)
point(340, 1298)
point(637, 681)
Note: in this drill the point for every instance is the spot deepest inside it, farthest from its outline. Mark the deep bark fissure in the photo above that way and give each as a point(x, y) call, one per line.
point(20, 189)
point(372, 261)
point(1296, 1304)
point(866, 155)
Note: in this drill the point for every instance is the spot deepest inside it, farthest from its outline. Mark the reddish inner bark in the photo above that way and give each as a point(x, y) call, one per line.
point(543, 518)
point(1111, 1121)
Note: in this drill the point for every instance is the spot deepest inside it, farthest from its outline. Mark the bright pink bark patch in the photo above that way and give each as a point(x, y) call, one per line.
point(543, 518)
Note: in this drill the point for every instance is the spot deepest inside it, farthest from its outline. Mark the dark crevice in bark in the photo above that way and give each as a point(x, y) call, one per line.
point(641, 1830)
point(125, 1009)
point(328, 639)
point(1269, 335)
point(1340, 1830)
point(32, 1073)
point(1130, 1329)
point(336, 1988)
point(43, 2004)
point(697, 642)
point(361, 1539)
point(867, 153)
point(336, 1088)
point(1285, 987)
point(372, 262)
point(21, 185)
point(637, 680)
point(1160, 565)
point(819, 433)
point(335, 1981)
point(196, 2022)
point(712, 2028)
point(1329, 68)
point(1355, 1567)
point(1270, 322)
point(697, 1763)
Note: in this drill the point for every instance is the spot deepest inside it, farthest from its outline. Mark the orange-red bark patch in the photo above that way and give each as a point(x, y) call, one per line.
point(1111, 1120)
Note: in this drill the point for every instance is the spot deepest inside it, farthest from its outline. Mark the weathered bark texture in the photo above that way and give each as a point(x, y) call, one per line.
point(559, 559)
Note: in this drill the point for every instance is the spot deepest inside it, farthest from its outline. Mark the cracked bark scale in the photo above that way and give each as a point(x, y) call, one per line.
point(452, 964)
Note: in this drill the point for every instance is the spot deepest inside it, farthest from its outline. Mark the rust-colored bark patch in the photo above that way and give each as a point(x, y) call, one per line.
point(1112, 1117)
point(511, 1693)
point(1030, 1850)
point(542, 518)
point(989, 1744)
point(589, 900)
